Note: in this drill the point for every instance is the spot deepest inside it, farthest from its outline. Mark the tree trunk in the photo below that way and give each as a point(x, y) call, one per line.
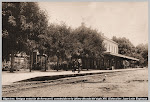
point(45, 63)
point(12, 61)
point(57, 63)
point(31, 59)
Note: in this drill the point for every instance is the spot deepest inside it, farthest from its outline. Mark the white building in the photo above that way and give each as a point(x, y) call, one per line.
point(110, 45)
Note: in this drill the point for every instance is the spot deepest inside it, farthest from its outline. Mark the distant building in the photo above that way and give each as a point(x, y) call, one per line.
point(111, 60)
point(114, 60)
point(110, 45)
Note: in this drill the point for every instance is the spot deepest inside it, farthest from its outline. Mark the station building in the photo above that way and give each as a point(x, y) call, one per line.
point(111, 59)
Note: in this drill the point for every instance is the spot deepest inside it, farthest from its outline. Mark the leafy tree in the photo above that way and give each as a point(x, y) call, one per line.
point(22, 22)
point(125, 46)
point(142, 53)
point(87, 42)
point(57, 42)
point(64, 42)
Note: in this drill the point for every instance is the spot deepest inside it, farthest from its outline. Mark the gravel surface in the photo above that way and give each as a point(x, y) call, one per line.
point(118, 84)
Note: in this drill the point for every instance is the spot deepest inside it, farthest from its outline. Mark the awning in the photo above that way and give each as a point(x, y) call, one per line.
point(123, 56)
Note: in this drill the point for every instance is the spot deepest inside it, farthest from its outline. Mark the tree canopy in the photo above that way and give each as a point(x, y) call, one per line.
point(65, 42)
point(22, 22)
point(87, 41)
point(142, 54)
point(128, 49)
point(125, 46)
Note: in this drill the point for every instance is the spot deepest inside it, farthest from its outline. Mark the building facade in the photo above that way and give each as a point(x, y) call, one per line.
point(110, 45)
point(111, 60)
point(114, 60)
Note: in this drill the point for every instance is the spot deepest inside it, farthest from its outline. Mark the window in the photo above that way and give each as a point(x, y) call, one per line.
point(107, 47)
point(114, 49)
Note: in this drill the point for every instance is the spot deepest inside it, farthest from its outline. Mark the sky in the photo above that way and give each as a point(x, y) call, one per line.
point(120, 19)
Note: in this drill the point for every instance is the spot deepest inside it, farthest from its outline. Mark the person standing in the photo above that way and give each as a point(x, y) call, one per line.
point(74, 65)
point(79, 65)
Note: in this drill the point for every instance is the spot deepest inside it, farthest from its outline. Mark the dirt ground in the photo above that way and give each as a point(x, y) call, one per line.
point(117, 84)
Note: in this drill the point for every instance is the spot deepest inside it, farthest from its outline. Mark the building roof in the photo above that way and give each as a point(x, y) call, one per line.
point(123, 56)
point(109, 39)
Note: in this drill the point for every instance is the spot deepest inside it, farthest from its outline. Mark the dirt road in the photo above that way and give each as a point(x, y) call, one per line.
point(117, 84)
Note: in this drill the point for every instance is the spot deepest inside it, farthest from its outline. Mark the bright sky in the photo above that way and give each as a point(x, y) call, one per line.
point(120, 19)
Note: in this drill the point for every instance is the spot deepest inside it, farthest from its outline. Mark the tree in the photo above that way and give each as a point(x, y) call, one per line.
point(128, 49)
point(87, 42)
point(64, 42)
point(22, 22)
point(57, 42)
point(125, 46)
point(142, 53)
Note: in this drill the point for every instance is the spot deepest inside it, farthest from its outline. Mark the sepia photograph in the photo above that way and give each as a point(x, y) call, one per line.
point(75, 50)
